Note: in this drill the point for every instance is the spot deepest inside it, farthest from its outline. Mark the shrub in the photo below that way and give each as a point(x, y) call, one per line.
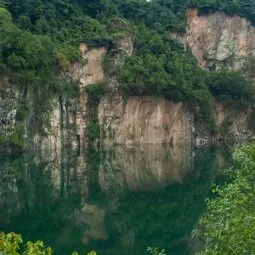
point(12, 244)
point(22, 112)
point(231, 88)
point(93, 132)
point(95, 91)
point(228, 227)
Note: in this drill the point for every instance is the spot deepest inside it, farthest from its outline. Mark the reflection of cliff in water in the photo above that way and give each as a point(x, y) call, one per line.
point(147, 167)
point(115, 202)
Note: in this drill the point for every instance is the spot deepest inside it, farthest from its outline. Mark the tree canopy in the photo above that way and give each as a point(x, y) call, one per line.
point(229, 225)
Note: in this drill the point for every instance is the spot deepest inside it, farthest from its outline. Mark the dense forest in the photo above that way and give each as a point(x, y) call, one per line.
point(40, 38)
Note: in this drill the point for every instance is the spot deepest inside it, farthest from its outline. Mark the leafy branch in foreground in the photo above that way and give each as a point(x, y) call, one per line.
point(155, 251)
point(229, 225)
point(12, 244)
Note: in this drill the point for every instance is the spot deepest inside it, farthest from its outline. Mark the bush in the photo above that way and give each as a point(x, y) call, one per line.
point(93, 132)
point(95, 91)
point(22, 112)
point(17, 138)
point(12, 244)
point(2, 139)
point(228, 227)
point(231, 88)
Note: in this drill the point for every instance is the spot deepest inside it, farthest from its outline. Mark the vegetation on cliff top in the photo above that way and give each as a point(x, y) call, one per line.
point(54, 29)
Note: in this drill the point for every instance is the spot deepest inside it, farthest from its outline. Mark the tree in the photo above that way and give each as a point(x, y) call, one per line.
point(11, 244)
point(229, 225)
point(231, 88)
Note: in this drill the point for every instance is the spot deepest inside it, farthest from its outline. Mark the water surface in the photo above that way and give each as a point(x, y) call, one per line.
point(116, 202)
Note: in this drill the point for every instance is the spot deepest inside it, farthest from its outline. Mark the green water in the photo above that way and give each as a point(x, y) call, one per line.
point(115, 202)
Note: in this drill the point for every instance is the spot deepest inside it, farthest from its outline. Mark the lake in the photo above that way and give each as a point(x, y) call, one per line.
point(118, 201)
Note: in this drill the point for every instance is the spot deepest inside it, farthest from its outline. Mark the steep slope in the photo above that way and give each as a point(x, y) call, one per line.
point(220, 41)
point(151, 90)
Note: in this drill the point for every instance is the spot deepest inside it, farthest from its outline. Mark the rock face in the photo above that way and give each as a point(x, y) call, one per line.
point(50, 143)
point(232, 126)
point(68, 119)
point(90, 70)
point(10, 97)
point(85, 74)
point(144, 120)
point(126, 45)
point(218, 40)
point(232, 123)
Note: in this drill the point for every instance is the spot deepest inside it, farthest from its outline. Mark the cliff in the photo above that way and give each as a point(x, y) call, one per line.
point(144, 120)
point(66, 123)
point(216, 40)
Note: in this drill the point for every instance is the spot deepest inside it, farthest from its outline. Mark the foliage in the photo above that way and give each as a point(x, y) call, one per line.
point(30, 61)
point(21, 52)
point(229, 226)
point(93, 131)
point(244, 8)
point(68, 23)
point(22, 112)
point(17, 138)
point(95, 91)
point(231, 88)
point(2, 139)
point(249, 67)
point(155, 251)
point(251, 121)
point(39, 39)
point(162, 68)
point(11, 244)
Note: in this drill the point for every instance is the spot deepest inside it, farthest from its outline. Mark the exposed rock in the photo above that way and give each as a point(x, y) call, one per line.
point(144, 120)
point(218, 40)
point(87, 72)
point(90, 70)
point(50, 145)
point(126, 45)
point(232, 122)
point(203, 138)
point(68, 119)
point(10, 99)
